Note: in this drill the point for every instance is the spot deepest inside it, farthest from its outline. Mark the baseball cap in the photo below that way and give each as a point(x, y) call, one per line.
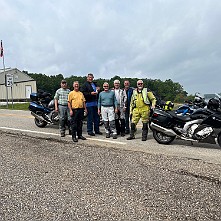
point(63, 81)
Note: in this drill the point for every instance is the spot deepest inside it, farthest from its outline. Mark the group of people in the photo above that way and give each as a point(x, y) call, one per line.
point(120, 108)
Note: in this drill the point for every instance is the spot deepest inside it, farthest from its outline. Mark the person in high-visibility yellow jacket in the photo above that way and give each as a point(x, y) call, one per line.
point(141, 101)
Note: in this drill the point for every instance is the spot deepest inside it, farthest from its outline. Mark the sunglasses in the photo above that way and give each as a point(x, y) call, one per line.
point(106, 86)
point(140, 84)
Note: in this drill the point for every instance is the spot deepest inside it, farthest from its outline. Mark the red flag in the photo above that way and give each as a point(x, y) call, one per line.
point(1, 55)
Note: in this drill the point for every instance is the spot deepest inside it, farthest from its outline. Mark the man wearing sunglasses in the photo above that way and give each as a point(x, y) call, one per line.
point(141, 102)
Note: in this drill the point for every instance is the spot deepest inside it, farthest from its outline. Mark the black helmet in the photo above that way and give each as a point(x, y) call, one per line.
point(213, 104)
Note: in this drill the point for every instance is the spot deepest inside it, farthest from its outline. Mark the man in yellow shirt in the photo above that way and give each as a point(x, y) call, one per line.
point(76, 105)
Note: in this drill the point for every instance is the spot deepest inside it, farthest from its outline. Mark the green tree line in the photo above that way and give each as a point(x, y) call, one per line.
point(165, 90)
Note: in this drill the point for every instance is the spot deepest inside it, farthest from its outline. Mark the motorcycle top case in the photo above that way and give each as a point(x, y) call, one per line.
point(161, 118)
point(34, 96)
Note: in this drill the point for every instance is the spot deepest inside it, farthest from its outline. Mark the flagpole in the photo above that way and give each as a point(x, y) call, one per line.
point(5, 81)
point(3, 60)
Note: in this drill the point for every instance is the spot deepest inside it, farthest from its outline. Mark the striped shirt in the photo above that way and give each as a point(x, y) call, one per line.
point(62, 96)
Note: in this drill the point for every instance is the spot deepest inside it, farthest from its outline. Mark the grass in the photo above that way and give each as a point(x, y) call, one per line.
point(15, 106)
point(176, 105)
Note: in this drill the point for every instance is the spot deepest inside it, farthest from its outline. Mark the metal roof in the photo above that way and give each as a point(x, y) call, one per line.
point(19, 76)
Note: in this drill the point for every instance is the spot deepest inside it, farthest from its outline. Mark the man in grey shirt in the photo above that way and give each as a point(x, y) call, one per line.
point(107, 107)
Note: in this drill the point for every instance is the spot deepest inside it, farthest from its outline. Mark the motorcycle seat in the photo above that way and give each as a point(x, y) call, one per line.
point(184, 118)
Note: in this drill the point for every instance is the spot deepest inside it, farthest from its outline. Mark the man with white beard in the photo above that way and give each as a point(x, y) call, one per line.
point(141, 101)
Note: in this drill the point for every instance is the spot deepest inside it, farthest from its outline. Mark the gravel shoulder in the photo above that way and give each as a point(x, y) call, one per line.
point(54, 179)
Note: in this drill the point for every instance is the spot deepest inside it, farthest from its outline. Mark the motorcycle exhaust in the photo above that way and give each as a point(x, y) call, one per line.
point(168, 132)
point(39, 117)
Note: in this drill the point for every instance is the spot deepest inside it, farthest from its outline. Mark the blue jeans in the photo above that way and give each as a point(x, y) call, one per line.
point(64, 117)
point(93, 119)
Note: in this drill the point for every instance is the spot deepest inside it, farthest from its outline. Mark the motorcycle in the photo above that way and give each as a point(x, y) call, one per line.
point(42, 107)
point(203, 125)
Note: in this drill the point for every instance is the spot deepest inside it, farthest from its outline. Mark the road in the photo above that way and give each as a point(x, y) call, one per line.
point(23, 122)
point(46, 177)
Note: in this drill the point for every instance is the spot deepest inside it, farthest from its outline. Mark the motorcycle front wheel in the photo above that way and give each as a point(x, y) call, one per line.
point(40, 123)
point(162, 138)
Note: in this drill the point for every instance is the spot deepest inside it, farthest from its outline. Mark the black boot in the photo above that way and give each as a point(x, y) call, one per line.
point(74, 138)
point(132, 132)
point(145, 131)
point(82, 137)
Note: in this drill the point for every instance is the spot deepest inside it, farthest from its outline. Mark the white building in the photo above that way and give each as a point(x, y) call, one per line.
point(19, 85)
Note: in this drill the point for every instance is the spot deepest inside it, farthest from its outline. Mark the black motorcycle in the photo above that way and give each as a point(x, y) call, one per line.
point(203, 125)
point(42, 107)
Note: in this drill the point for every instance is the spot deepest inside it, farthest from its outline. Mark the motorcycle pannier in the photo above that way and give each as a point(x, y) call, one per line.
point(162, 118)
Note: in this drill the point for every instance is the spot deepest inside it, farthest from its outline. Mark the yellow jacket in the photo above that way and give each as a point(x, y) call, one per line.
point(142, 99)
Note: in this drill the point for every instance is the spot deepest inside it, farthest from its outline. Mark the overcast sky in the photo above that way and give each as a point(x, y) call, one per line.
point(157, 39)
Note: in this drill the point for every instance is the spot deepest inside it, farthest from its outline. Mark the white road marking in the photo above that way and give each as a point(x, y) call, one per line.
point(40, 132)
point(30, 131)
point(107, 141)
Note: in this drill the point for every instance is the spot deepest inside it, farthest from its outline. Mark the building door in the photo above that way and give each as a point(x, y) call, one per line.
point(28, 91)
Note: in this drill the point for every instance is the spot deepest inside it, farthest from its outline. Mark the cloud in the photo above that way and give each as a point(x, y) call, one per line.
point(158, 39)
